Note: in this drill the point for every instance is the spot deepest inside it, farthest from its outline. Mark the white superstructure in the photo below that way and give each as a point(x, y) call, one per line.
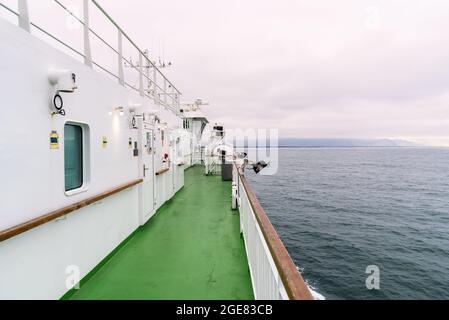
point(92, 145)
point(195, 123)
point(113, 131)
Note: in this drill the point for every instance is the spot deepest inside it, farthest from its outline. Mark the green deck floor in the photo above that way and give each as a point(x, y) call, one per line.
point(191, 249)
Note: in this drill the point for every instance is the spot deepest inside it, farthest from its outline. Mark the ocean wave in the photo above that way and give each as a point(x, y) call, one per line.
point(338, 219)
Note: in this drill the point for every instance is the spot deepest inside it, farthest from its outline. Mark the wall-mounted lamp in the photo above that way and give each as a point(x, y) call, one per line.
point(133, 105)
point(119, 110)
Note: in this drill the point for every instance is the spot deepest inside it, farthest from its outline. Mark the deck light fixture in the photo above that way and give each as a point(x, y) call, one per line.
point(119, 110)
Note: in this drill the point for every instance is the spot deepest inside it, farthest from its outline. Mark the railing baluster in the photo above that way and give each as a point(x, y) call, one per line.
point(87, 49)
point(121, 73)
point(147, 71)
point(172, 100)
point(156, 93)
point(165, 92)
point(141, 89)
point(24, 15)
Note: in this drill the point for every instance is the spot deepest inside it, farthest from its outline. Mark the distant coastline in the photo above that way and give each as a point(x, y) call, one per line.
point(335, 143)
point(295, 142)
point(343, 147)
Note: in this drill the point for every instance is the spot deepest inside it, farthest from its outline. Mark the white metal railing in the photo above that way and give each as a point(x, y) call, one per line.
point(267, 284)
point(273, 274)
point(150, 81)
point(212, 164)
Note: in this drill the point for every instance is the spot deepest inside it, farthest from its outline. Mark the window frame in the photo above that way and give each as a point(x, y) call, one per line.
point(85, 156)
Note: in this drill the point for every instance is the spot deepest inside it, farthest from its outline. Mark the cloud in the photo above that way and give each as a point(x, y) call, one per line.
point(321, 68)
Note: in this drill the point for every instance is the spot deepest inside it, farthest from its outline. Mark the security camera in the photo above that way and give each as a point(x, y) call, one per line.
point(63, 81)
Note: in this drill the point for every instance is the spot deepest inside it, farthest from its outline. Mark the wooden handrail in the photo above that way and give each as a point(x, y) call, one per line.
point(160, 172)
point(26, 226)
point(291, 278)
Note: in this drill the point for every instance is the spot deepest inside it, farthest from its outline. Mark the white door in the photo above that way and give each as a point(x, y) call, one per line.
point(147, 172)
point(174, 167)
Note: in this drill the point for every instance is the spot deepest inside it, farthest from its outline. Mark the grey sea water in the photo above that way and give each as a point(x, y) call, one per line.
point(339, 210)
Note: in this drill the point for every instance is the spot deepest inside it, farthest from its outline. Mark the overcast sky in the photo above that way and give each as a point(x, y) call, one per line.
point(311, 68)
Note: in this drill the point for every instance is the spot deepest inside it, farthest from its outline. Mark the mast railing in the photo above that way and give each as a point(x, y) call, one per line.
point(136, 76)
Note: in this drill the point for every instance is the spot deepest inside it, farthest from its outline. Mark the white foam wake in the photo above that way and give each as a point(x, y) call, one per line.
point(317, 295)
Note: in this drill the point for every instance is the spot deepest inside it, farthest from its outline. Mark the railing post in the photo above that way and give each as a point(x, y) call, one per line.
point(172, 98)
point(121, 74)
point(141, 89)
point(24, 15)
point(147, 71)
point(156, 96)
point(165, 92)
point(87, 50)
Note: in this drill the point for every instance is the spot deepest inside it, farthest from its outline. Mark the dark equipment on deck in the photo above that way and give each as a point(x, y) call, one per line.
point(259, 166)
point(226, 168)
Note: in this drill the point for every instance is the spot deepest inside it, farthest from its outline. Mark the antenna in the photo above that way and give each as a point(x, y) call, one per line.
point(199, 102)
point(161, 64)
point(196, 105)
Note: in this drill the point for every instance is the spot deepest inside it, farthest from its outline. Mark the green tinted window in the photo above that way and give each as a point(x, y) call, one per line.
point(73, 156)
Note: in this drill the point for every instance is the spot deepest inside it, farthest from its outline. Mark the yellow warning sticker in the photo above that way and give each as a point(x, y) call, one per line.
point(54, 140)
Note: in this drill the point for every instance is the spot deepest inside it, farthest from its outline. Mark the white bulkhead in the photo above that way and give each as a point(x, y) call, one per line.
point(115, 150)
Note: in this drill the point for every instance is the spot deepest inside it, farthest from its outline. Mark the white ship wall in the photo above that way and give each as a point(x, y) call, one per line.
point(33, 265)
